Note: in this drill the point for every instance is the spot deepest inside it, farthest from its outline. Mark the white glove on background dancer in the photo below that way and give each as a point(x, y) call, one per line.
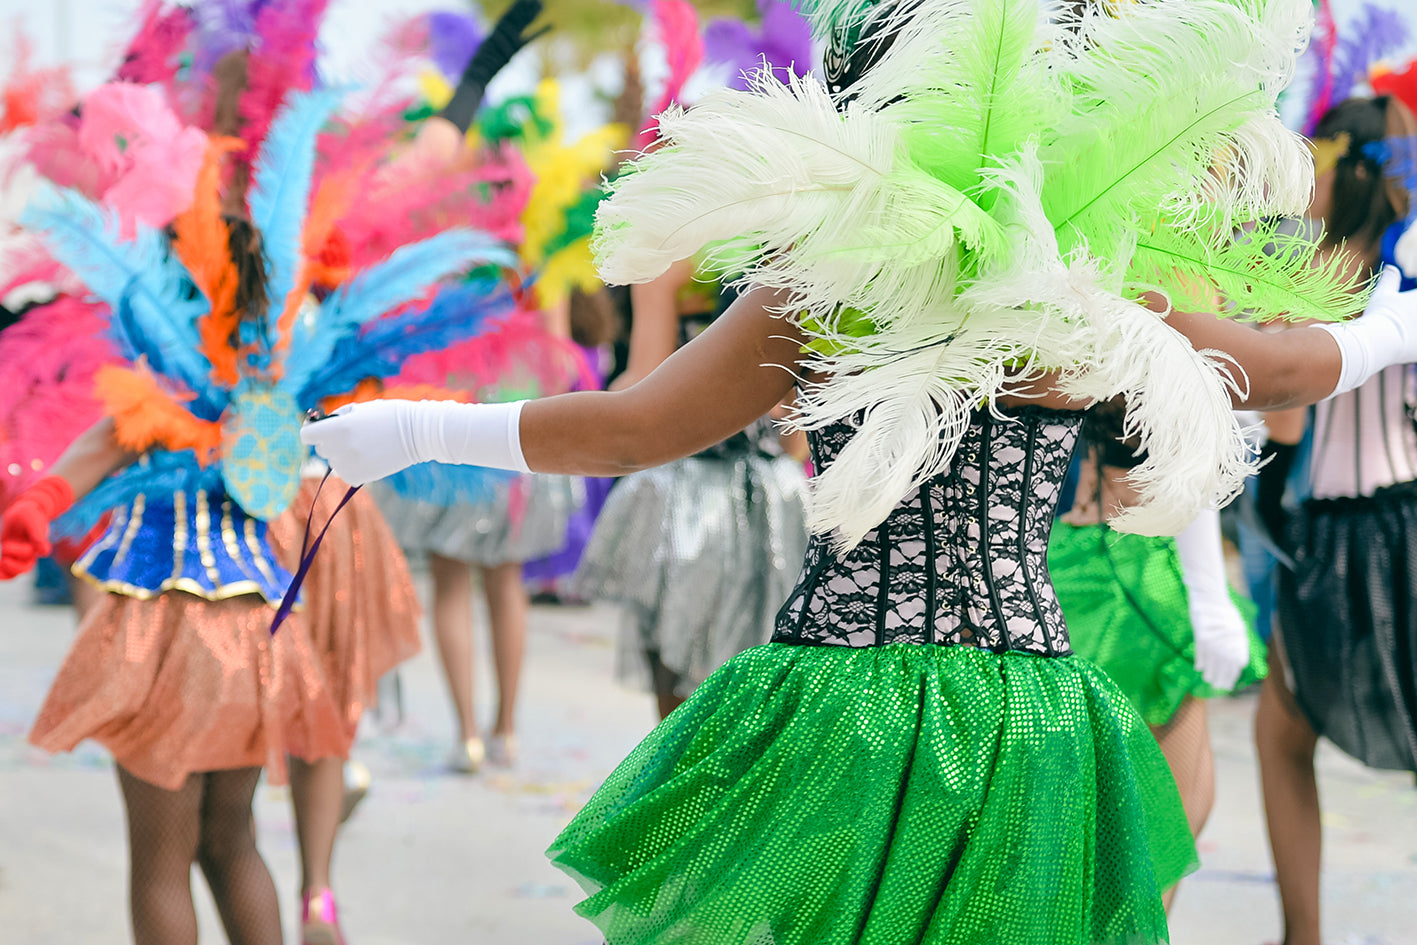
point(368, 441)
point(1221, 635)
point(1384, 335)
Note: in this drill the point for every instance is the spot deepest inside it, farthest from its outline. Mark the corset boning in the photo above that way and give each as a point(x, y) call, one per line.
point(961, 560)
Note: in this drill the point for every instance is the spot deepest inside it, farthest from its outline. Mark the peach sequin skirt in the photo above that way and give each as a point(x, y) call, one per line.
point(359, 604)
point(179, 684)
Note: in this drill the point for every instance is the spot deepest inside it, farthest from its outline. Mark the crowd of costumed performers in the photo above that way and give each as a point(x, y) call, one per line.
point(889, 393)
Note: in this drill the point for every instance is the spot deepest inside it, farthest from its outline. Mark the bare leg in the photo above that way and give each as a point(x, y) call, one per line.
point(317, 796)
point(164, 829)
point(241, 884)
point(1285, 743)
point(666, 685)
point(1185, 741)
point(507, 607)
point(452, 628)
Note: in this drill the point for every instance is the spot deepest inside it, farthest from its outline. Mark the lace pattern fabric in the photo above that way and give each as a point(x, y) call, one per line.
point(961, 560)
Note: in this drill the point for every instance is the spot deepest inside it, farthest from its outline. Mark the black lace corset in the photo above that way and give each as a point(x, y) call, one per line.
point(961, 560)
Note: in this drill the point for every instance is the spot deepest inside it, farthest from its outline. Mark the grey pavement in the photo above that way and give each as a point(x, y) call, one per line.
point(436, 858)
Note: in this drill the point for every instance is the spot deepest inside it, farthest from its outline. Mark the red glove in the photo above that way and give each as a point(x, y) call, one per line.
point(24, 528)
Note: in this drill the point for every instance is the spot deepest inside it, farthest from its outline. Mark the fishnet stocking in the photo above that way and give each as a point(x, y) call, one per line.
point(206, 821)
point(1185, 741)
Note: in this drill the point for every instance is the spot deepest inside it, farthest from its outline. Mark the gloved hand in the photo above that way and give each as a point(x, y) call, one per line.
point(1384, 335)
point(368, 441)
point(24, 528)
point(1222, 637)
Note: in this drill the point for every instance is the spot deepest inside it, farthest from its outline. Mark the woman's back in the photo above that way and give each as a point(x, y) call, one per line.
point(961, 560)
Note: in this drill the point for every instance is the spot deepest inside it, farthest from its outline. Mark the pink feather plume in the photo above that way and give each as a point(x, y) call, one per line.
point(676, 27)
point(282, 60)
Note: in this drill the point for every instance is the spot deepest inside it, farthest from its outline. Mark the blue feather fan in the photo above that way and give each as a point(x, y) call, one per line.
point(456, 314)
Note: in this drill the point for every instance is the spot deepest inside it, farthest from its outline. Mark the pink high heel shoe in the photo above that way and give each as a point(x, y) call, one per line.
point(319, 919)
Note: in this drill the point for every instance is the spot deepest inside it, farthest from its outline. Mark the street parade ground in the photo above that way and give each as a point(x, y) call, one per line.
point(432, 857)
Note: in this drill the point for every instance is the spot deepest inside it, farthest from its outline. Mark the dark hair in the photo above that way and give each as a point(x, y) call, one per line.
point(595, 321)
point(244, 242)
point(1364, 202)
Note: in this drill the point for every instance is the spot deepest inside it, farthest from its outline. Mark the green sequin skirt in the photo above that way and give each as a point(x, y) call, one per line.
point(821, 795)
point(1125, 603)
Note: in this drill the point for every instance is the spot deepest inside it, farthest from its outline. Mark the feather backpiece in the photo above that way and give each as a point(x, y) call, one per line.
point(154, 53)
point(935, 265)
point(378, 348)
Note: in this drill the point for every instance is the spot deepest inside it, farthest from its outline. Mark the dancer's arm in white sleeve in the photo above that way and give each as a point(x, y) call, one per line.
point(1305, 365)
point(739, 369)
point(1221, 637)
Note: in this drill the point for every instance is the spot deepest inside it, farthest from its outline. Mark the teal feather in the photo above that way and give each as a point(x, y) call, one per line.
point(404, 277)
point(280, 188)
point(138, 278)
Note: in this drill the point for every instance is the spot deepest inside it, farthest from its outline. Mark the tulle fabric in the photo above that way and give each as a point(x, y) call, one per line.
point(359, 605)
point(886, 795)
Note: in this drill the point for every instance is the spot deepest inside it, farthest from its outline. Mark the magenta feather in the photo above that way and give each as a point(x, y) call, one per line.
point(282, 60)
point(154, 53)
point(47, 365)
point(1321, 50)
point(676, 27)
point(517, 357)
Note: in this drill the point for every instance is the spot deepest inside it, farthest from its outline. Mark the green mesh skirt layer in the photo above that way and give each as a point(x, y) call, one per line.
point(1125, 604)
point(886, 796)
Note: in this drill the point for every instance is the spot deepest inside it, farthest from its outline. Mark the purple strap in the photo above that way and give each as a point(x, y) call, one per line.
point(307, 553)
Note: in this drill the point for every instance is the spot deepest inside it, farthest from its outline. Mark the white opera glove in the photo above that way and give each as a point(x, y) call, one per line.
point(1384, 335)
point(1222, 638)
point(368, 441)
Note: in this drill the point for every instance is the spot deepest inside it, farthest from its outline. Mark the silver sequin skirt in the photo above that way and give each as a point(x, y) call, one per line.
point(526, 519)
point(702, 553)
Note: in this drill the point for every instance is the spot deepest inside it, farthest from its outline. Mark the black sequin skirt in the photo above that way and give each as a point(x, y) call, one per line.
point(1348, 623)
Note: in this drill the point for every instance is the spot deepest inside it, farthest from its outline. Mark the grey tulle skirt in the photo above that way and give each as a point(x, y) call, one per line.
point(525, 519)
point(701, 553)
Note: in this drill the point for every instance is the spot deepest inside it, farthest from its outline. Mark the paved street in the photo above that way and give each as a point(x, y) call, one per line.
point(432, 858)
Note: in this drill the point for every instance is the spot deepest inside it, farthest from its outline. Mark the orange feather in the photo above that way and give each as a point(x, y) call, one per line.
point(146, 416)
point(202, 246)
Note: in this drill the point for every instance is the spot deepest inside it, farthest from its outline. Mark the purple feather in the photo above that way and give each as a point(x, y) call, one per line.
point(784, 42)
point(1377, 32)
point(224, 26)
point(452, 39)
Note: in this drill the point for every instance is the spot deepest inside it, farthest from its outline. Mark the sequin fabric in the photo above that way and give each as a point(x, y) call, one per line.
point(930, 771)
point(525, 519)
point(197, 541)
point(1126, 605)
point(359, 606)
point(175, 684)
point(700, 553)
point(961, 560)
point(885, 796)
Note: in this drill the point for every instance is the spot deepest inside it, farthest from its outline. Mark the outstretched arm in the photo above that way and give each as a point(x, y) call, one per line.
point(736, 371)
point(1305, 365)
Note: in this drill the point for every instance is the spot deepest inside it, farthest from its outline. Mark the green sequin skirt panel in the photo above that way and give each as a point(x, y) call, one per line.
point(1125, 604)
point(883, 796)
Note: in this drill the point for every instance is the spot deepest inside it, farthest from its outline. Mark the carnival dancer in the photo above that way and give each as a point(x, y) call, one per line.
point(1343, 666)
point(942, 246)
point(1155, 613)
point(177, 671)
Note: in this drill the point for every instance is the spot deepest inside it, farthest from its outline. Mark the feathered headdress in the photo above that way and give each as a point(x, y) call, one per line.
point(979, 193)
point(1340, 57)
point(222, 394)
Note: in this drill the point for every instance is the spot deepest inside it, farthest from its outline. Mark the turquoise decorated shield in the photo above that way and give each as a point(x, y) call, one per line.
point(261, 452)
